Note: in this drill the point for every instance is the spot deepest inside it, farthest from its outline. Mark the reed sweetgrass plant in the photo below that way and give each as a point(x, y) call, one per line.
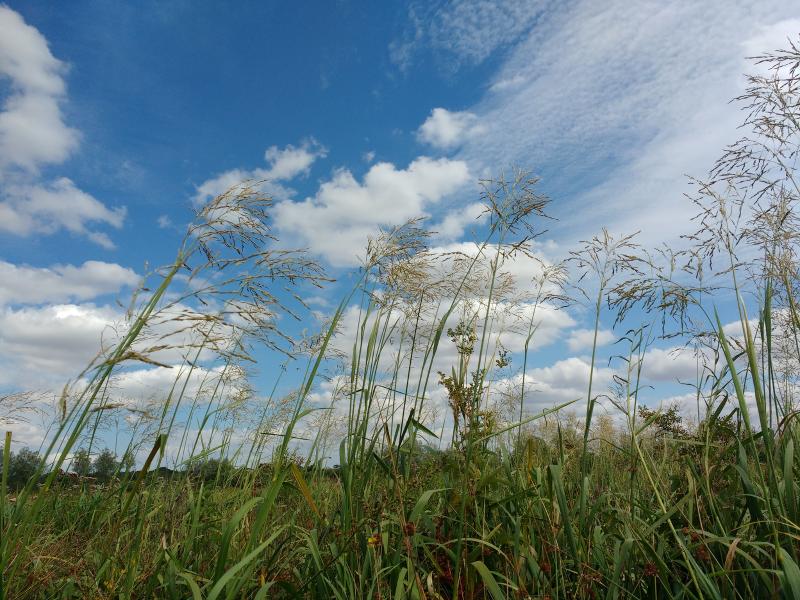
point(404, 462)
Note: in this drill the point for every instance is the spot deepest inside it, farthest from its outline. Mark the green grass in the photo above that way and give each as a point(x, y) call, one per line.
point(502, 504)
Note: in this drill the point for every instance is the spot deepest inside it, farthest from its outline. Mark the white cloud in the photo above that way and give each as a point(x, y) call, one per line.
point(283, 165)
point(32, 134)
point(469, 31)
point(671, 364)
point(337, 221)
point(513, 321)
point(134, 394)
point(509, 325)
point(523, 269)
point(154, 383)
point(565, 380)
point(569, 373)
point(453, 224)
point(22, 284)
point(735, 331)
point(32, 131)
point(774, 36)
point(505, 84)
point(25, 434)
point(45, 209)
point(446, 129)
point(582, 339)
point(42, 347)
point(613, 102)
point(290, 162)
point(687, 405)
point(695, 409)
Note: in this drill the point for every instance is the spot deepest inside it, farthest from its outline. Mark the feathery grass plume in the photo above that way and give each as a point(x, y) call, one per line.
point(367, 479)
point(20, 407)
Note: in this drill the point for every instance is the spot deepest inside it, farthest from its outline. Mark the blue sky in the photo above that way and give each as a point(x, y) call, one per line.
point(118, 118)
point(165, 98)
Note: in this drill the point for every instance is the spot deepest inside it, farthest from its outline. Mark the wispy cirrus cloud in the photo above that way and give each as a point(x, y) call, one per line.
point(614, 102)
point(467, 31)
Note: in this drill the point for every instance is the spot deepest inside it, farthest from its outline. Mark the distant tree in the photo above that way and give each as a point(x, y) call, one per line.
point(665, 422)
point(213, 469)
point(82, 462)
point(105, 465)
point(21, 467)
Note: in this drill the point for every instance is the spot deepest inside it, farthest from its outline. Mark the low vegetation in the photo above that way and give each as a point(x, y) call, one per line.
point(399, 469)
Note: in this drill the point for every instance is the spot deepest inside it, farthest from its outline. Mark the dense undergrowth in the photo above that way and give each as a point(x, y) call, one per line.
point(375, 495)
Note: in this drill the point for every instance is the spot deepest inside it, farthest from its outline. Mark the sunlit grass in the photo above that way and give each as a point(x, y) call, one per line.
point(378, 495)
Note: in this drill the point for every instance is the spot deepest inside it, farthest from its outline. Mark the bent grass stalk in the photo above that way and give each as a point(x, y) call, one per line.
point(546, 505)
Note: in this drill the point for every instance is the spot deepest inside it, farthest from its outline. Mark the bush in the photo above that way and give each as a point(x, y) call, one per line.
point(22, 467)
point(82, 462)
point(105, 465)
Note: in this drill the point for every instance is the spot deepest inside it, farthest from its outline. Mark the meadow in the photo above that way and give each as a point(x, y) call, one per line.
point(374, 489)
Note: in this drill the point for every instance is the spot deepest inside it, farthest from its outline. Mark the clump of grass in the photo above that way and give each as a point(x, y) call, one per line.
point(393, 497)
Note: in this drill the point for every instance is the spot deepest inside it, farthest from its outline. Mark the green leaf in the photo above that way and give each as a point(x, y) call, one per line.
point(421, 502)
point(228, 534)
point(422, 427)
point(791, 574)
point(196, 594)
point(490, 582)
point(228, 575)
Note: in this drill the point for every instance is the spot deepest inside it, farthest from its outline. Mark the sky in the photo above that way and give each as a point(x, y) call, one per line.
point(118, 119)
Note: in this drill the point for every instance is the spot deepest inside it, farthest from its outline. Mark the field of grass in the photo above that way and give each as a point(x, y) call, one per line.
point(600, 497)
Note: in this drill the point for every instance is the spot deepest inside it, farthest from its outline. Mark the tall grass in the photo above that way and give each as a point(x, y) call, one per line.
point(479, 499)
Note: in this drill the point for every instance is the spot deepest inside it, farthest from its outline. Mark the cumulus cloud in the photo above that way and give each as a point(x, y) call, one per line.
point(32, 131)
point(153, 384)
point(22, 284)
point(524, 270)
point(338, 220)
point(283, 164)
point(548, 321)
point(509, 325)
point(289, 162)
point(44, 346)
point(33, 134)
point(46, 208)
point(446, 129)
point(671, 364)
point(695, 409)
point(582, 339)
point(563, 381)
point(454, 222)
